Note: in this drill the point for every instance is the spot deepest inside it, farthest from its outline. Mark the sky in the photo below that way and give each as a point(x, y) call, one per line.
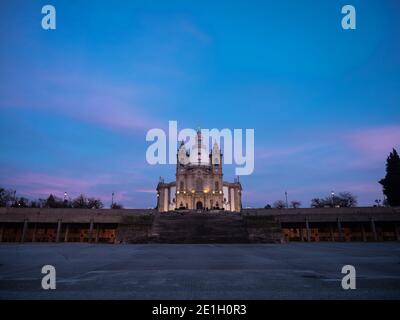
point(76, 102)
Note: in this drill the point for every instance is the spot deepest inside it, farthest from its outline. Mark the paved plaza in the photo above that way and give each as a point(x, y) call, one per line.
point(241, 271)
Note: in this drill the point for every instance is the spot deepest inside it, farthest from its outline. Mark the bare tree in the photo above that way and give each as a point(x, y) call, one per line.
point(117, 206)
point(79, 202)
point(279, 204)
point(317, 203)
point(6, 197)
point(53, 202)
point(93, 203)
point(343, 200)
point(347, 200)
point(295, 204)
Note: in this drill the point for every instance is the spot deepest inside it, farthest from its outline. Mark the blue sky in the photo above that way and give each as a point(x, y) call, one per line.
point(76, 102)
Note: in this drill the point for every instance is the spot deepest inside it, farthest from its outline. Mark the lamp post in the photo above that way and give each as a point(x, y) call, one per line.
point(112, 199)
point(332, 195)
point(287, 204)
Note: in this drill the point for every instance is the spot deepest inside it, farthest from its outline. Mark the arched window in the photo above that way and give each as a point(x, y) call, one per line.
point(181, 186)
point(216, 185)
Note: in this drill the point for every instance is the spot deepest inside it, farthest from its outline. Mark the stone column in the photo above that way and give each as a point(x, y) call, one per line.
point(396, 230)
point(301, 233)
point(90, 230)
point(332, 235)
point(1, 233)
point(339, 225)
point(232, 192)
point(235, 192)
point(374, 229)
point(308, 230)
point(97, 233)
point(166, 199)
point(364, 236)
point(66, 233)
point(34, 233)
point(24, 230)
point(58, 231)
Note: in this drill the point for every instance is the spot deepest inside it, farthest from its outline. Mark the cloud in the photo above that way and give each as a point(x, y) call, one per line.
point(193, 30)
point(373, 145)
point(146, 190)
point(40, 184)
point(283, 152)
point(84, 98)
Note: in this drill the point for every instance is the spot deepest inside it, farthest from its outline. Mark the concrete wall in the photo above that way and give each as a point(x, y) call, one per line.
point(47, 215)
point(329, 214)
point(141, 225)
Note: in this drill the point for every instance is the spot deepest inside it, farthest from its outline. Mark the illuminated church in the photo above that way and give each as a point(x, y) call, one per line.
point(199, 182)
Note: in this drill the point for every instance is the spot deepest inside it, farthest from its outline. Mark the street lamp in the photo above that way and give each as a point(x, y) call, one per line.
point(287, 205)
point(112, 199)
point(332, 195)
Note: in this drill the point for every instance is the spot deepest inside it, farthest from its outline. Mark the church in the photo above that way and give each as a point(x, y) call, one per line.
point(199, 182)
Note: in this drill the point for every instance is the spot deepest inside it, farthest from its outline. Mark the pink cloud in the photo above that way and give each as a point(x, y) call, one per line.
point(85, 98)
point(146, 190)
point(38, 184)
point(373, 145)
point(273, 152)
point(376, 140)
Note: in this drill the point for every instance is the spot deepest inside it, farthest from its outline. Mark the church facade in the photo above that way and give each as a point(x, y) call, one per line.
point(199, 182)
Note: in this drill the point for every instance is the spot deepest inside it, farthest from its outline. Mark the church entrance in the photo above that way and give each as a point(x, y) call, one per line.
point(199, 205)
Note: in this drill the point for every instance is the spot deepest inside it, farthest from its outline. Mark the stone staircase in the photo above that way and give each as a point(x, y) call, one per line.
point(198, 227)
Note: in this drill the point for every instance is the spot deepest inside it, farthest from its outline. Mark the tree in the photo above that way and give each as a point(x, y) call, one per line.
point(317, 203)
point(79, 202)
point(93, 203)
point(6, 197)
point(53, 202)
point(295, 204)
point(41, 202)
point(280, 204)
point(268, 206)
point(116, 206)
point(391, 182)
point(347, 200)
point(22, 203)
point(343, 200)
point(34, 204)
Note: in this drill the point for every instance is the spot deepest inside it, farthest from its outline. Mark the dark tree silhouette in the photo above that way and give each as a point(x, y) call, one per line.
point(6, 197)
point(79, 202)
point(343, 200)
point(54, 202)
point(317, 203)
point(347, 200)
point(295, 204)
point(116, 206)
point(22, 203)
point(391, 182)
point(93, 203)
point(280, 204)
